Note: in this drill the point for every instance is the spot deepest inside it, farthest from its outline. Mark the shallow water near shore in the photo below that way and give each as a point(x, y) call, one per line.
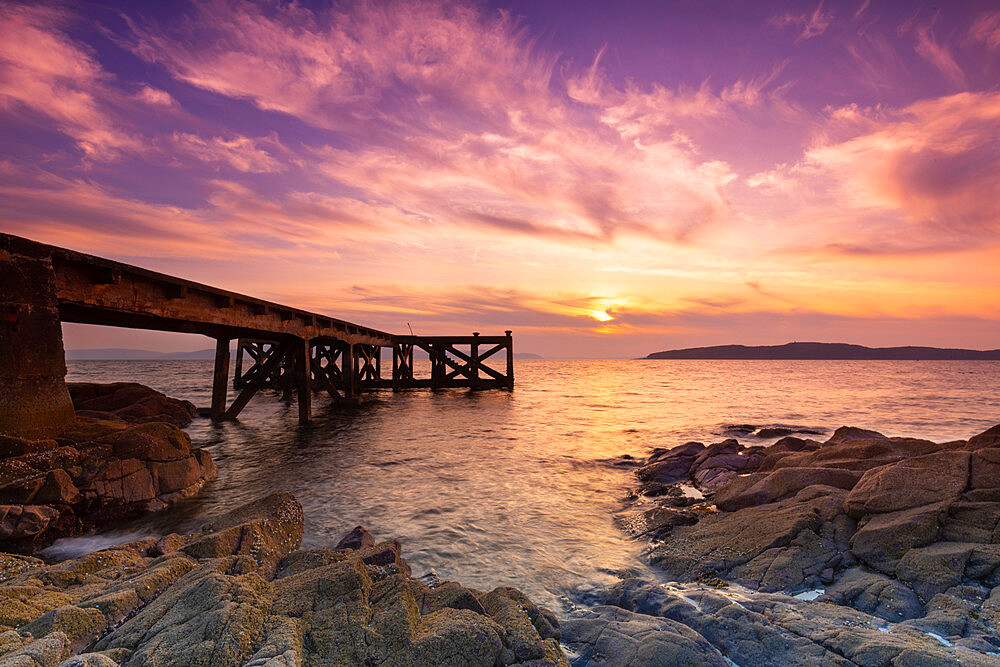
point(515, 488)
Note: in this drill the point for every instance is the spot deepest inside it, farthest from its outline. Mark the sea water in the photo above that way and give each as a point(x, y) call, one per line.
point(519, 488)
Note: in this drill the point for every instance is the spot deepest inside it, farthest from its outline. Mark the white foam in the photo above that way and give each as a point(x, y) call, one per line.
point(939, 638)
point(809, 595)
point(74, 547)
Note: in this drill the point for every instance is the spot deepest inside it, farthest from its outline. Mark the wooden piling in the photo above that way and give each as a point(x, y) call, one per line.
point(510, 359)
point(220, 379)
point(303, 377)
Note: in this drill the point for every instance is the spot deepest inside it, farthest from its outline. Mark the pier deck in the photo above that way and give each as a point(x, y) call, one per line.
point(287, 348)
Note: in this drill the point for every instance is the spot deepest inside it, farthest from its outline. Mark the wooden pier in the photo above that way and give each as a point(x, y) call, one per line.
point(278, 347)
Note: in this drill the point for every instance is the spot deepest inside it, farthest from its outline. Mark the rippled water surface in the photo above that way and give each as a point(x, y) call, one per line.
point(509, 488)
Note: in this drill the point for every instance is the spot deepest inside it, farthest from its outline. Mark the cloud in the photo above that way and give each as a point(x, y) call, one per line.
point(920, 179)
point(45, 73)
point(241, 153)
point(151, 95)
point(461, 119)
point(811, 24)
point(938, 55)
point(986, 29)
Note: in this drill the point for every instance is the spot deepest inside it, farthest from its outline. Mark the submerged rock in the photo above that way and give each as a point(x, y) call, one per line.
point(241, 592)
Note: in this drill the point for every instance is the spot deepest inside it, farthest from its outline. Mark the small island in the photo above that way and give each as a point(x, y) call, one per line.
point(822, 351)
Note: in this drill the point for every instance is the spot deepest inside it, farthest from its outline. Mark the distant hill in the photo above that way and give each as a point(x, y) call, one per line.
point(827, 351)
point(123, 354)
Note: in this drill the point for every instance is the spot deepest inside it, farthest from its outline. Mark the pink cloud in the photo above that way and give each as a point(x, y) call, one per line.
point(915, 180)
point(986, 29)
point(151, 95)
point(811, 24)
point(938, 55)
point(241, 153)
point(44, 72)
point(462, 120)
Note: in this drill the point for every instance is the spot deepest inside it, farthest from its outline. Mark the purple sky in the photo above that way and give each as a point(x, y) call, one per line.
point(607, 179)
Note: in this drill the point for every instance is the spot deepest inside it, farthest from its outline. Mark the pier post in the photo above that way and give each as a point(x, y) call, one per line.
point(303, 376)
point(474, 362)
point(34, 400)
point(220, 379)
point(437, 366)
point(350, 371)
point(510, 359)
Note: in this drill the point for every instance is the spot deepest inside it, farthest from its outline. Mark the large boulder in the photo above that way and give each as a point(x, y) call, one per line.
point(131, 402)
point(915, 481)
point(771, 547)
point(668, 466)
point(766, 487)
point(988, 438)
point(875, 594)
point(614, 636)
point(883, 539)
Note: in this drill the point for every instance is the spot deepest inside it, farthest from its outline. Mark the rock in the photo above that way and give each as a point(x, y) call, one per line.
point(266, 530)
point(763, 487)
point(772, 546)
point(989, 438)
point(80, 626)
point(916, 481)
point(848, 433)
point(985, 468)
point(449, 594)
point(852, 454)
point(158, 442)
point(358, 538)
point(935, 568)
point(58, 488)
point(521, 637)
point(213, 601)
point(131, 402)
point(691, 449)
point(45, 652)
point(613, 636)
point(883, 540)
point(875, 594)
point(775, 432)
point(972, 522)
point(721, 462)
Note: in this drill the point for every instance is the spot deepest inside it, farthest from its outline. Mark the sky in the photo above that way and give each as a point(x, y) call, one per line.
point(605, 179)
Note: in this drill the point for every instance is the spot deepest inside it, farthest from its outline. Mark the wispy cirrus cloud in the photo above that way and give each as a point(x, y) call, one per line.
point(811, 24)
point(462, 120)
point(46, 74)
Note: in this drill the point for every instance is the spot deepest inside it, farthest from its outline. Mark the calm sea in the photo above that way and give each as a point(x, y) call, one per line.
point(513, 488)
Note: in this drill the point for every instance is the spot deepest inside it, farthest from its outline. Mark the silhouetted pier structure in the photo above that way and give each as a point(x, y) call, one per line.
point(278, 347)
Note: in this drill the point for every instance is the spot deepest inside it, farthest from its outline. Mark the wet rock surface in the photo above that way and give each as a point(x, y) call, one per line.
point(128, 458)
point(242, 593)
point(893, 544)
point(130, 402)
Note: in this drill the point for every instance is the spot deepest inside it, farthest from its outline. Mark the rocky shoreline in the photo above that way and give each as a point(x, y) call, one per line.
point(241, 592)
point(891, 547)
point(124, 454)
